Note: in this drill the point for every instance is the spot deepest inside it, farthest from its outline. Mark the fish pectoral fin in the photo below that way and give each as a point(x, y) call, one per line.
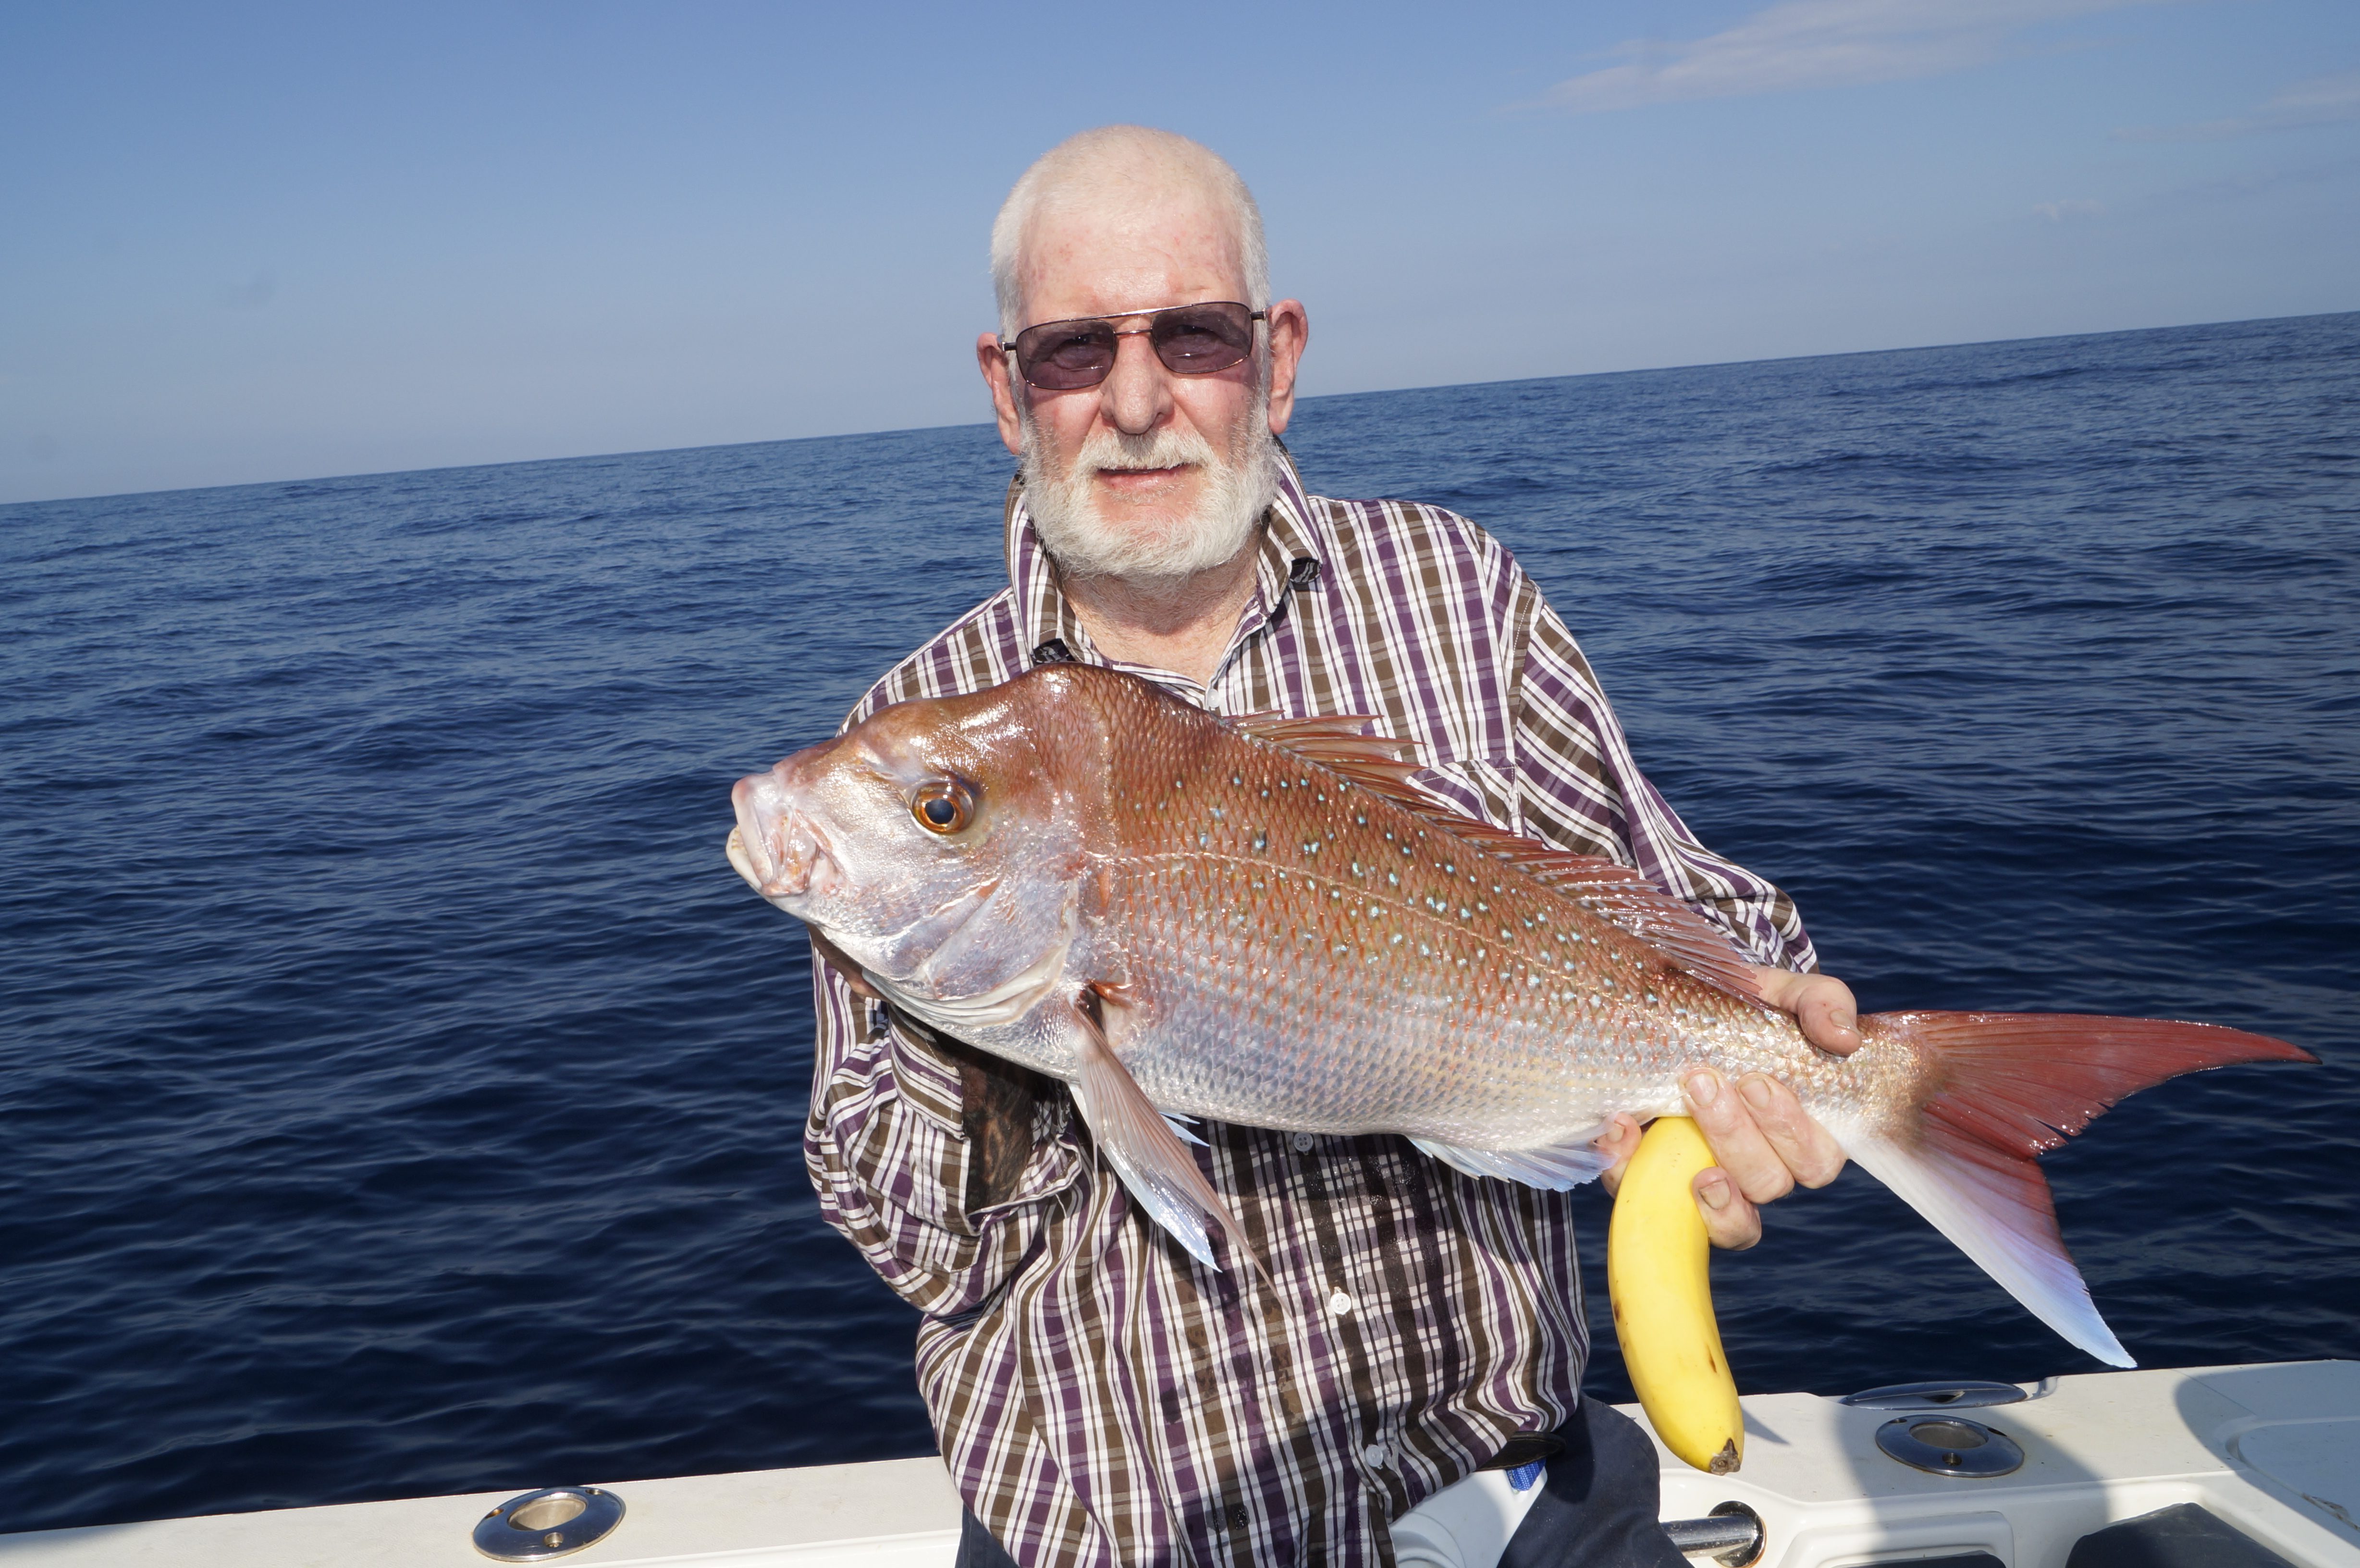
point(1146, 1152)
point(1554, 1166)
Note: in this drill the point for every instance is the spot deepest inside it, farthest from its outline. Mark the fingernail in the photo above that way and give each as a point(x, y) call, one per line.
point(1715, 1192)
point(1847, 1019)
point(1703, 1088)
point(1756, 1090)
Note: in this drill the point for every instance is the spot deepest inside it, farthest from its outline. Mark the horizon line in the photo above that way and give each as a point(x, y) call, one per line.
point(1318, 398)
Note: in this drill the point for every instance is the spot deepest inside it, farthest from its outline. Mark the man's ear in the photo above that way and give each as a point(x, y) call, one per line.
point(993, 360)
point(1290, 330)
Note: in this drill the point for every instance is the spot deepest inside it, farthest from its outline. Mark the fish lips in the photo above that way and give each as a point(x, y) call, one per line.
point(784, 860)
point(778, 849)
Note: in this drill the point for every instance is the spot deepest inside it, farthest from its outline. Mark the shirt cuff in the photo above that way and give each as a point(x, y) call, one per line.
point(928, 1082)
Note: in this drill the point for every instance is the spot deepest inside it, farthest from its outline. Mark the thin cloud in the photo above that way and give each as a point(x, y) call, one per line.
point(251, 295)
point(1805, 44)
point(2314, 101)
point(2062, 212)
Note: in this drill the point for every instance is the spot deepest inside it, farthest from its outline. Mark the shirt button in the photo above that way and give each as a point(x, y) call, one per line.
point(1339, 1303)
point(1305, 1143)
point(1374, 1456)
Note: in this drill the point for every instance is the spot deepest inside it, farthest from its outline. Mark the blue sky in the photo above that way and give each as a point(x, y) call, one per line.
point(247, 243)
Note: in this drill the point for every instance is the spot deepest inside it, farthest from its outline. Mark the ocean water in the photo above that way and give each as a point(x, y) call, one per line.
point(400, 1096)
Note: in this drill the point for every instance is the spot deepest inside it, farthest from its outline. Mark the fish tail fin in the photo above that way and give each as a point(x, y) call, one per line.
point(2002, 1088)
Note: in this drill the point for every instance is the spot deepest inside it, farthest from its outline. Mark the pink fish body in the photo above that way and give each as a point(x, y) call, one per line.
point(1262, 921)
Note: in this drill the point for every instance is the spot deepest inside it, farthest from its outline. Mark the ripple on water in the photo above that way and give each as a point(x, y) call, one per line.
point(401, 1097)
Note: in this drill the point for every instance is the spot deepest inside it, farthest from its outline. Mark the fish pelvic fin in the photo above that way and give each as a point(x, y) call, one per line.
point(1614, 892)
point(1180, 1128)
point(1147, 1153)
point(1556, 1167)
point(2001, 1089)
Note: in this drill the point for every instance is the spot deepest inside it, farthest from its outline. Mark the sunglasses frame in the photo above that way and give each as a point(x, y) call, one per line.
point(1151, 318)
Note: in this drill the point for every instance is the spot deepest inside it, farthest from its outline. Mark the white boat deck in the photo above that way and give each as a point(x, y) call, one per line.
point(2272, 1450)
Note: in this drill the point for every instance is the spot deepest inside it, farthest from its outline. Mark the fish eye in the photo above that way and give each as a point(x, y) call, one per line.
point(943, 806)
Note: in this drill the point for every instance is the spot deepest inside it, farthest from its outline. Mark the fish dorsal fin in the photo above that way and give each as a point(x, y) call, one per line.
point(1625, 899)
point(1279, 729)
point(1339, 742)
point(1614, 892)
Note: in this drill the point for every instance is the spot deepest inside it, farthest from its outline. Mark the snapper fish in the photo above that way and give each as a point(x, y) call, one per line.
point(1261, 921)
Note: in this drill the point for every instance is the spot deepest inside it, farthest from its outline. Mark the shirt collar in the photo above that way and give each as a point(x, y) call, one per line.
point(1289, 558)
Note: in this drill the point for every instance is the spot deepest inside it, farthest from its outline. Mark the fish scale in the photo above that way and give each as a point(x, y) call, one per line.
point(1310, 955)
point(1260, 921)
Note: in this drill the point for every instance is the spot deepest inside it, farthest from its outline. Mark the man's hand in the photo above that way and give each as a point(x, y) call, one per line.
point(1764, 1144)
point(827, 953)
point(1822, 1004)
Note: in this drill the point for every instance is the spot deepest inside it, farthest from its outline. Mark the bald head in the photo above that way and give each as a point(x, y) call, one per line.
point(1123, 177)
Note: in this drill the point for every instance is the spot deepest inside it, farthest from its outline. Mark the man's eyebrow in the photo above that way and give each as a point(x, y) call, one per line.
point(1126, 315)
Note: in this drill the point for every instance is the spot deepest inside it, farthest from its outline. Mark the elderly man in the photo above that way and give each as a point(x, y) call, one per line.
point(1101, 1398)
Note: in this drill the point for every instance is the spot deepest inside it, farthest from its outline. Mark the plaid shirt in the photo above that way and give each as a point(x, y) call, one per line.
point(1101, 1398)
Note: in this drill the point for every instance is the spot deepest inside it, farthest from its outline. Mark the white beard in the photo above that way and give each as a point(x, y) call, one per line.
point(1080, 539)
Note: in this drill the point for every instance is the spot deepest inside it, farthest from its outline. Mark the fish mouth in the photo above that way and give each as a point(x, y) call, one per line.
point(740, 861)
point(775, 847)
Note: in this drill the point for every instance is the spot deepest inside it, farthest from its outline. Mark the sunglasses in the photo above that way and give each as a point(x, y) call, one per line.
point(1191, 340)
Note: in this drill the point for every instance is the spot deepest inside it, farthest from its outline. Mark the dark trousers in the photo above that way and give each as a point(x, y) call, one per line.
point(1599, 1500)
point(1597, 1507)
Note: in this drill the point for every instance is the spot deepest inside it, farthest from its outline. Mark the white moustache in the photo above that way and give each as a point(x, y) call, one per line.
point(1114, 452)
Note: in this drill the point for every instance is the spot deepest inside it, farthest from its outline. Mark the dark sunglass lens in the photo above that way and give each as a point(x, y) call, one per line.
point(1064, 356)
point(1203, 339)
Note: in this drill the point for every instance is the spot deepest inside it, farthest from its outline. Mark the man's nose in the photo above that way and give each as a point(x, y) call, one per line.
point(1135, 394)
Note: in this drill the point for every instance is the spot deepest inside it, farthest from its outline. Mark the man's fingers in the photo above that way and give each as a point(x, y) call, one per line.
point(1621, 1141)
point(1831, 1018)
point(1738, 1146)
point(827, 953)
point(1729, 1220)
point(1823, 1005)
point(1808, 1150)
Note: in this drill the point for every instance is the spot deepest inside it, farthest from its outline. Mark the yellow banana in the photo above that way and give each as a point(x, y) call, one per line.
point(1655, 1276)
